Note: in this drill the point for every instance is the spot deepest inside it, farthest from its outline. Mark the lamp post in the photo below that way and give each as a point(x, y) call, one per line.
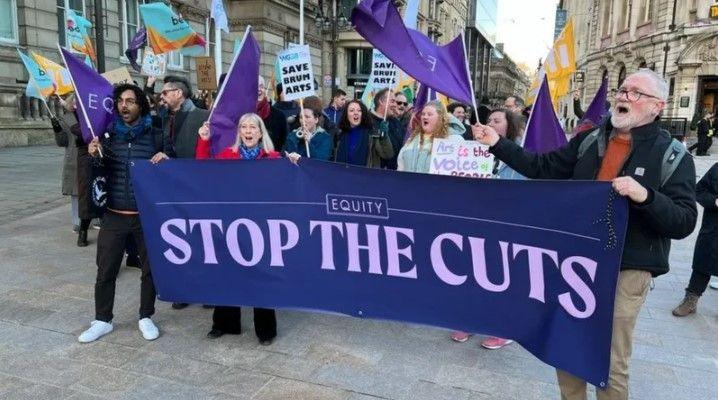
point(331, 24)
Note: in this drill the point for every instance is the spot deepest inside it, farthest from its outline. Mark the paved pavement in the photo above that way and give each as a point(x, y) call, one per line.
point(46, 300)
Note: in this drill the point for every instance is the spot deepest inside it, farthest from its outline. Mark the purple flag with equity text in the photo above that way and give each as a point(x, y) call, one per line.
point(543, 131)
point(94, 92)
point(237, 96)
point(597, 109)
point(443, 68)
point(135, 44)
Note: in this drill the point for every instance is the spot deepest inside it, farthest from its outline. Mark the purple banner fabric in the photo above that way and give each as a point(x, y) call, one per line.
point(137, 42)
point(237, 96)
point(543, 131)
point(443, 68)
point(96, 109)
point(597, 109)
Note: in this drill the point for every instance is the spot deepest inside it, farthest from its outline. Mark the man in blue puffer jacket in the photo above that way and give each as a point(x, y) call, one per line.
point(131, 136)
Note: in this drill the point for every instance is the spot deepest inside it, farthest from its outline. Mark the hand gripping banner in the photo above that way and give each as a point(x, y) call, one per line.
point(534, 261)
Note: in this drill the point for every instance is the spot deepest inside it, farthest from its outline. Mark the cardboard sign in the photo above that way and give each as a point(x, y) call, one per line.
point(118, 76)
point(297, 77)
point(383, 71)
point(206, 74)
point(470, 159)
point(153, 64)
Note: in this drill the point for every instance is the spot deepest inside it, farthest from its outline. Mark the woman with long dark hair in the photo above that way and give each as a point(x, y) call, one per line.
point(360, 143)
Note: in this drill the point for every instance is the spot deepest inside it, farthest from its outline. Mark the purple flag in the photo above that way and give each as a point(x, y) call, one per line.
point(237, 96)
point(543, 131)
point(96, 110)
point(135, 44)
point(443, 68)
point(597, 109)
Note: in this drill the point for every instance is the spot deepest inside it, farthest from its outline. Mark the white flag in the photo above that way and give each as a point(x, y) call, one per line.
point(219, 16)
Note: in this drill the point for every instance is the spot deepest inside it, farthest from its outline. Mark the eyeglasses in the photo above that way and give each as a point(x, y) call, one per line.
point(129, 102)
point(402, 103)
point(164, 92)
point(632, 95)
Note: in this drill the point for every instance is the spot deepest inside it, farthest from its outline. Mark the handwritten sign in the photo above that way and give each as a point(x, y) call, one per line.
point(206, 74)
point(118, 76)
point(383, 71)
point(470, 159)
point(153, 64)
point(297, 77)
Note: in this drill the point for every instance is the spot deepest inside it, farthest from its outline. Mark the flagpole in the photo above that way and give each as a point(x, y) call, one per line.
point(468, 75)
point(217, 50)
point(79, 98)
point(301, 101)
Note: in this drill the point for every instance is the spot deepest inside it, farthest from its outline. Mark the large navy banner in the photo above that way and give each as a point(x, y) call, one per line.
point(534, 261)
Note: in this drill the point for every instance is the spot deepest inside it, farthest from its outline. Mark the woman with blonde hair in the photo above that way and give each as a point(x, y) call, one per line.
point(253, 143)
point(434, 123)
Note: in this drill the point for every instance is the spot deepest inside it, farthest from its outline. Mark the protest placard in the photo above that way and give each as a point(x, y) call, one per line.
point(297, 77)
point(206, 74)
point(383, 71)
point(153, 64)
point(118, 76)
point(470, 159)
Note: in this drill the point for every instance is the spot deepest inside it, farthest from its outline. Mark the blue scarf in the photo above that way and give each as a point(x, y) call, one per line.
point(130, 133)
point(249, 154)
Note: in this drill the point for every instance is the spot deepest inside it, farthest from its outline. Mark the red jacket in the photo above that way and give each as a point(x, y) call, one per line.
point(202, 152)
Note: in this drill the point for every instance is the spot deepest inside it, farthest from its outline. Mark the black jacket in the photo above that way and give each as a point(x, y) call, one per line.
point(670, 211)
point(118, 152)
point(705, 256)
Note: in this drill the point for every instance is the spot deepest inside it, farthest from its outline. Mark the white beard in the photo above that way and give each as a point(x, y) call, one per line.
point(623, 121)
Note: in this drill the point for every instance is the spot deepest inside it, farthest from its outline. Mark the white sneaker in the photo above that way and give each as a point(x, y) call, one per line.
point(97, 330)
point(149, 329)
point(714, 284)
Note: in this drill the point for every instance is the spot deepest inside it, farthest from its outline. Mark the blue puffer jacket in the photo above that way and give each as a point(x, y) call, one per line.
point(119, 150)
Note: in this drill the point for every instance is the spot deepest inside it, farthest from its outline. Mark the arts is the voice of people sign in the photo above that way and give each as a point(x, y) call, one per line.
point(534, 261)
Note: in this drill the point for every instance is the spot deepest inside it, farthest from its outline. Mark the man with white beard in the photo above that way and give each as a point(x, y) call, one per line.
point(645, 165)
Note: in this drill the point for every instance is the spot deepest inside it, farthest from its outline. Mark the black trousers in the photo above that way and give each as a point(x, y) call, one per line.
point(229, 320)
point(111, 242)
point(698, 283)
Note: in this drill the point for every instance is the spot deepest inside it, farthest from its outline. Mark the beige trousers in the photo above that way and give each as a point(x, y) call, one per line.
point(631, 291)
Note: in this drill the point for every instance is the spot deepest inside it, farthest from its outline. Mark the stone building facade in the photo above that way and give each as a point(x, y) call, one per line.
point(39, 25)
point(505, 77)
point(676, 38)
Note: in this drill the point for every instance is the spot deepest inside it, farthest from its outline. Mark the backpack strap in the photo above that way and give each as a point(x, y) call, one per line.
point(671, 159)
point(591, 138)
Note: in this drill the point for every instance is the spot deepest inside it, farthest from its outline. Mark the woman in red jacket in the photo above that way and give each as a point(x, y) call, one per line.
point(253, 142)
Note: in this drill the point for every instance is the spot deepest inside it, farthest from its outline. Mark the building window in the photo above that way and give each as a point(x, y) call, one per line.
point(8, 22)
point(624, 16)
point(129, 15)
point(209, 36)
point(671, 86)
point(644, 13)
point(359, 62)
point(62, 6)
point(606, 18)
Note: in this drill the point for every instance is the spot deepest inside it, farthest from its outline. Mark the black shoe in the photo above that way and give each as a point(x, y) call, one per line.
point(82, 239)
point(179, 306)
point(266, 342)
point(215, 334)
point(132, 261)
